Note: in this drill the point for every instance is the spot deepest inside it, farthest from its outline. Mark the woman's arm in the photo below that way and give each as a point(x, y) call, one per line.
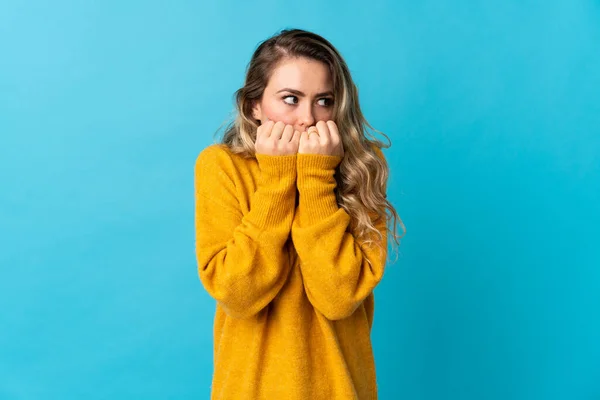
point(241, 259)
point(339, 271)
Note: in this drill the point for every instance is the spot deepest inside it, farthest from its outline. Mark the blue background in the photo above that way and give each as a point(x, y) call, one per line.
point(493, 109)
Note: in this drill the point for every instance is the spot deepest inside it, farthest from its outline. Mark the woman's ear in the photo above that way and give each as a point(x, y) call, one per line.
point(256, 111)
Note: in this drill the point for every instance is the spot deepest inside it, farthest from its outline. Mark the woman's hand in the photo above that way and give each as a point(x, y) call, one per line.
point(322, 139)
point(276, 139)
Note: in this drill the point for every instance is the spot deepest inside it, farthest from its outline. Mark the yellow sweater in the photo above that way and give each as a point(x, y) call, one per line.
point(293, 289)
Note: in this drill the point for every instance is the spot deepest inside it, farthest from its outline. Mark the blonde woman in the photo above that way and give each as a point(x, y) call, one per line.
point(291, 230)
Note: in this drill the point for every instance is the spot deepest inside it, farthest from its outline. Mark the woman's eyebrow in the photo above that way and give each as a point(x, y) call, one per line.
point(299, 93)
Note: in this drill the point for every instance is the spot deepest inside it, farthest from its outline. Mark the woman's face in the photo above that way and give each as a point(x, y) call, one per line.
point(299, 93)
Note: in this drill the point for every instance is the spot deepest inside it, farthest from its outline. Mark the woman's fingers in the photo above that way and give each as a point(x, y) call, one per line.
point(288, 132)
point(322, 138)
point(336, 139)
point(323, 132)
point(280, 138)
point(264, 130)
point(277, 130)
point(333, 132)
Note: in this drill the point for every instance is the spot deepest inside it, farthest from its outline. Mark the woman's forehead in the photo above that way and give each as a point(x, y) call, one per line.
point(301, 74)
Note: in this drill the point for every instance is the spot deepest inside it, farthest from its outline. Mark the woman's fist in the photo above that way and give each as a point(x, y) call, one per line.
point(276, 139)
point(323, 138)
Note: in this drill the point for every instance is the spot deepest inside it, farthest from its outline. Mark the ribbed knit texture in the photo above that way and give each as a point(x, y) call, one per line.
point(293, 288)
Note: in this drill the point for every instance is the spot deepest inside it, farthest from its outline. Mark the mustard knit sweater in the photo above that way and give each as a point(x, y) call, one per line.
point(293, 288)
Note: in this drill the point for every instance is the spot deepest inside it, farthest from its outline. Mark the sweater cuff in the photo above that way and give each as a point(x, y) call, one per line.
point(316, 186)
point(277, 168)
point(273, 202)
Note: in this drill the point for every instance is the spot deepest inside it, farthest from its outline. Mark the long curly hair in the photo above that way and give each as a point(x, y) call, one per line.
point(363, 172)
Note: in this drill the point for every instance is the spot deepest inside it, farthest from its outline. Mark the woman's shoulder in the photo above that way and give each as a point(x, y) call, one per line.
point(215, 150)
point(219, 157)
point(211, 157)
point(216, 153)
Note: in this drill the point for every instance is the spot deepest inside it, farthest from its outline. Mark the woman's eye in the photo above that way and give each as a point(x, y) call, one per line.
point(294, 100)
point(327, 102)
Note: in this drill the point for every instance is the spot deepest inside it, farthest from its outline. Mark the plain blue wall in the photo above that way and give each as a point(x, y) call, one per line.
point(493, 109)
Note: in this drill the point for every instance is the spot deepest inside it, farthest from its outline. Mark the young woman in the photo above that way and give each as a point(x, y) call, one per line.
point(291, 230)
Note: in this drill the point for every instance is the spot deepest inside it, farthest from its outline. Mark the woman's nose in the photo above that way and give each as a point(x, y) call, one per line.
point(306, 117)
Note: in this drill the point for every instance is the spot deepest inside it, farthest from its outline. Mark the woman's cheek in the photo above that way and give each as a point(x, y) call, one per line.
point(325, 116)
point(279, 115)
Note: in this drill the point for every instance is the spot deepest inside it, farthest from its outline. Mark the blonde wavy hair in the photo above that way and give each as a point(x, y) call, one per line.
point(363, 173)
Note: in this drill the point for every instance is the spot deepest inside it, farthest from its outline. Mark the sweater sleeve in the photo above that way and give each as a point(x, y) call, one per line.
point(339, 271)
point(242, 261)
